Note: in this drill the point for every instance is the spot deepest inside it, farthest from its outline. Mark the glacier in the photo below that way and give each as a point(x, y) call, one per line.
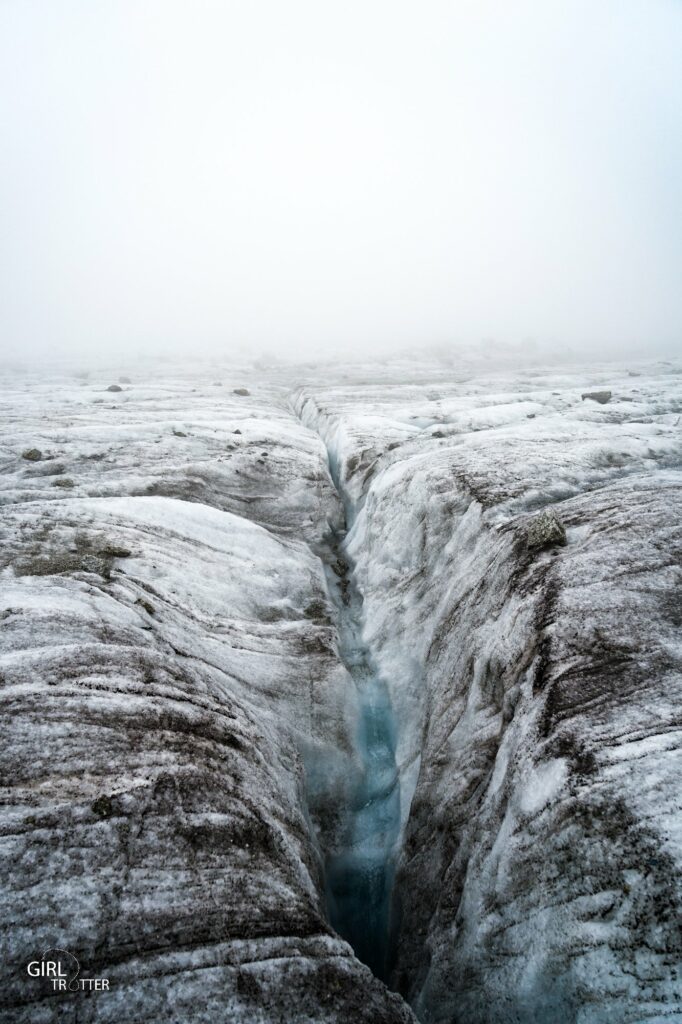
point(298, 727)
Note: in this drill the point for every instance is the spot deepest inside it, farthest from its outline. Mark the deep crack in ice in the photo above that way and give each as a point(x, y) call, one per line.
point(359, 877)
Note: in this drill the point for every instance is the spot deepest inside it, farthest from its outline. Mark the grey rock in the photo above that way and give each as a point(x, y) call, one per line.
point(32, 455)
point(544, 530)
point(598, 396)
point(96, 564)
point(114, 387)
point(62, 563)
point(114, 551)
point(241, 391)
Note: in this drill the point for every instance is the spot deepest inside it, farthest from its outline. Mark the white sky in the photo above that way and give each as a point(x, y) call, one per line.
point(296, 176)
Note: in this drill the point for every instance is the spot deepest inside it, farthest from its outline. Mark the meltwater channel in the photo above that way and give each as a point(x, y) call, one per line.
point(359, 878)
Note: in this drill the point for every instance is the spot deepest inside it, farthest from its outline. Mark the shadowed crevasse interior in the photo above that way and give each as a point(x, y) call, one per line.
point(359, 878)
point(360, 870)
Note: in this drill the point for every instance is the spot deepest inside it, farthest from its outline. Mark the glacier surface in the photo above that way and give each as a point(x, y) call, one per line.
point(287, 692)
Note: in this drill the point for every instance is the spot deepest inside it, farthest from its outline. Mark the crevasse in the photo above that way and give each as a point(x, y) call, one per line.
point(359, 874)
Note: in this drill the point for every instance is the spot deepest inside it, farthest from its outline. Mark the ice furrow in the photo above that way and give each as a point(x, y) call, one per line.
point(360, 871)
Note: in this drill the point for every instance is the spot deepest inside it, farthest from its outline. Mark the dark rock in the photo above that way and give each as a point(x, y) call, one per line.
point(598, 396)
point(96, 564)
point(114, 387)
point(103, 807)
point(180, 433)
point(147, 605)
point(241, 391)
point(57, 563)
point(114, 551)
point(51, 565)
point(63, 481)
point(316, 610)
point(32, 455)
point(545, 530)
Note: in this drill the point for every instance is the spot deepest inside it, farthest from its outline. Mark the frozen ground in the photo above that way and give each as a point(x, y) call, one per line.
point(242, 692)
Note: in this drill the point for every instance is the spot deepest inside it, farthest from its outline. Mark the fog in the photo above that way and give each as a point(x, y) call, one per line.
point(299, 178)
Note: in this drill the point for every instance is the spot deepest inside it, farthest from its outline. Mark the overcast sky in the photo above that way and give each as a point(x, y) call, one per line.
point(294, 176)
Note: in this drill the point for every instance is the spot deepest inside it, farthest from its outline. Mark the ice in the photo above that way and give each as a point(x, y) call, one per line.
point(295, 678)
point(359, 875)
point(513, 678)
point(168, 667)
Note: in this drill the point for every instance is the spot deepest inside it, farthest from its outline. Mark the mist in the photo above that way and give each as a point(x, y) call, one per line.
point(308, 179)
